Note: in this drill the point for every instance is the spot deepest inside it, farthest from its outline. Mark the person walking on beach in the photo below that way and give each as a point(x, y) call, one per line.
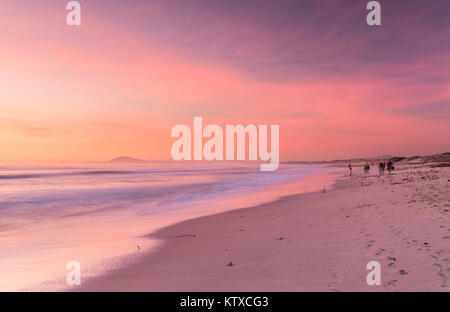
point(366, 168)
point(381, 168)
point(350, 169)
point(390, 166)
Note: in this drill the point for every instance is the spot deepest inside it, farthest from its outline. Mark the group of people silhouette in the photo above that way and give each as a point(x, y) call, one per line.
point(382, 166)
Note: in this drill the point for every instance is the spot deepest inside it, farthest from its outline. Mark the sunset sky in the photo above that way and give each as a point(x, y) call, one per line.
point(118, 83)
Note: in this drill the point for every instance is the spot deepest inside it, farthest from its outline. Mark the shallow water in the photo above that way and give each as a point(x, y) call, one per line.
point(100, 215)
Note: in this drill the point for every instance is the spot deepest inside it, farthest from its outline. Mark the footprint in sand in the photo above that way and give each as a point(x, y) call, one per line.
point(444, 278)
point(391, 283)
point(403, 272)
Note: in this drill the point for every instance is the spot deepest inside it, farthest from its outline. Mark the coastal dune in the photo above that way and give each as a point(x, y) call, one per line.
point(320, 241)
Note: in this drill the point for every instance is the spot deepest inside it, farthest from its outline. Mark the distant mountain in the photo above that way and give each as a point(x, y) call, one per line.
point(126, 160)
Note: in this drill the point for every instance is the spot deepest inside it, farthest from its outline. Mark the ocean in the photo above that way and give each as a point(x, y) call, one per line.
point(100, 215)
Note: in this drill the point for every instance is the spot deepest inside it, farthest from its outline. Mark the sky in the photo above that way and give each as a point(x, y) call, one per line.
point(117, 84)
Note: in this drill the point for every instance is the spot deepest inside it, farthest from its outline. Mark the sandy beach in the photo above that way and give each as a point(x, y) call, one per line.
point(320, 241)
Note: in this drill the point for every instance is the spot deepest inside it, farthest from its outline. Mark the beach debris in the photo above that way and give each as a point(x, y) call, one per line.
point(403, 272)
point(185, 235)
point(230, 264)
point(138, 247)
point(279, 238)
point(324, 190)
point(426, 244)
point(392, 258)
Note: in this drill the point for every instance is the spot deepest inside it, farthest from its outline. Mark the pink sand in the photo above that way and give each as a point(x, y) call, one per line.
point(318, 241)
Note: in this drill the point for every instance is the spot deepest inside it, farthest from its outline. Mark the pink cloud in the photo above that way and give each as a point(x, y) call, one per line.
point(129, 73)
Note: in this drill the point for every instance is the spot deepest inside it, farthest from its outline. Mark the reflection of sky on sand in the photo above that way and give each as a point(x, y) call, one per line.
point(98, 216)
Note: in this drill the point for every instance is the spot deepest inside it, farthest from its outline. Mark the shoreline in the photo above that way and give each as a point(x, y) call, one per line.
point(105, 240)
point(318, 241)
